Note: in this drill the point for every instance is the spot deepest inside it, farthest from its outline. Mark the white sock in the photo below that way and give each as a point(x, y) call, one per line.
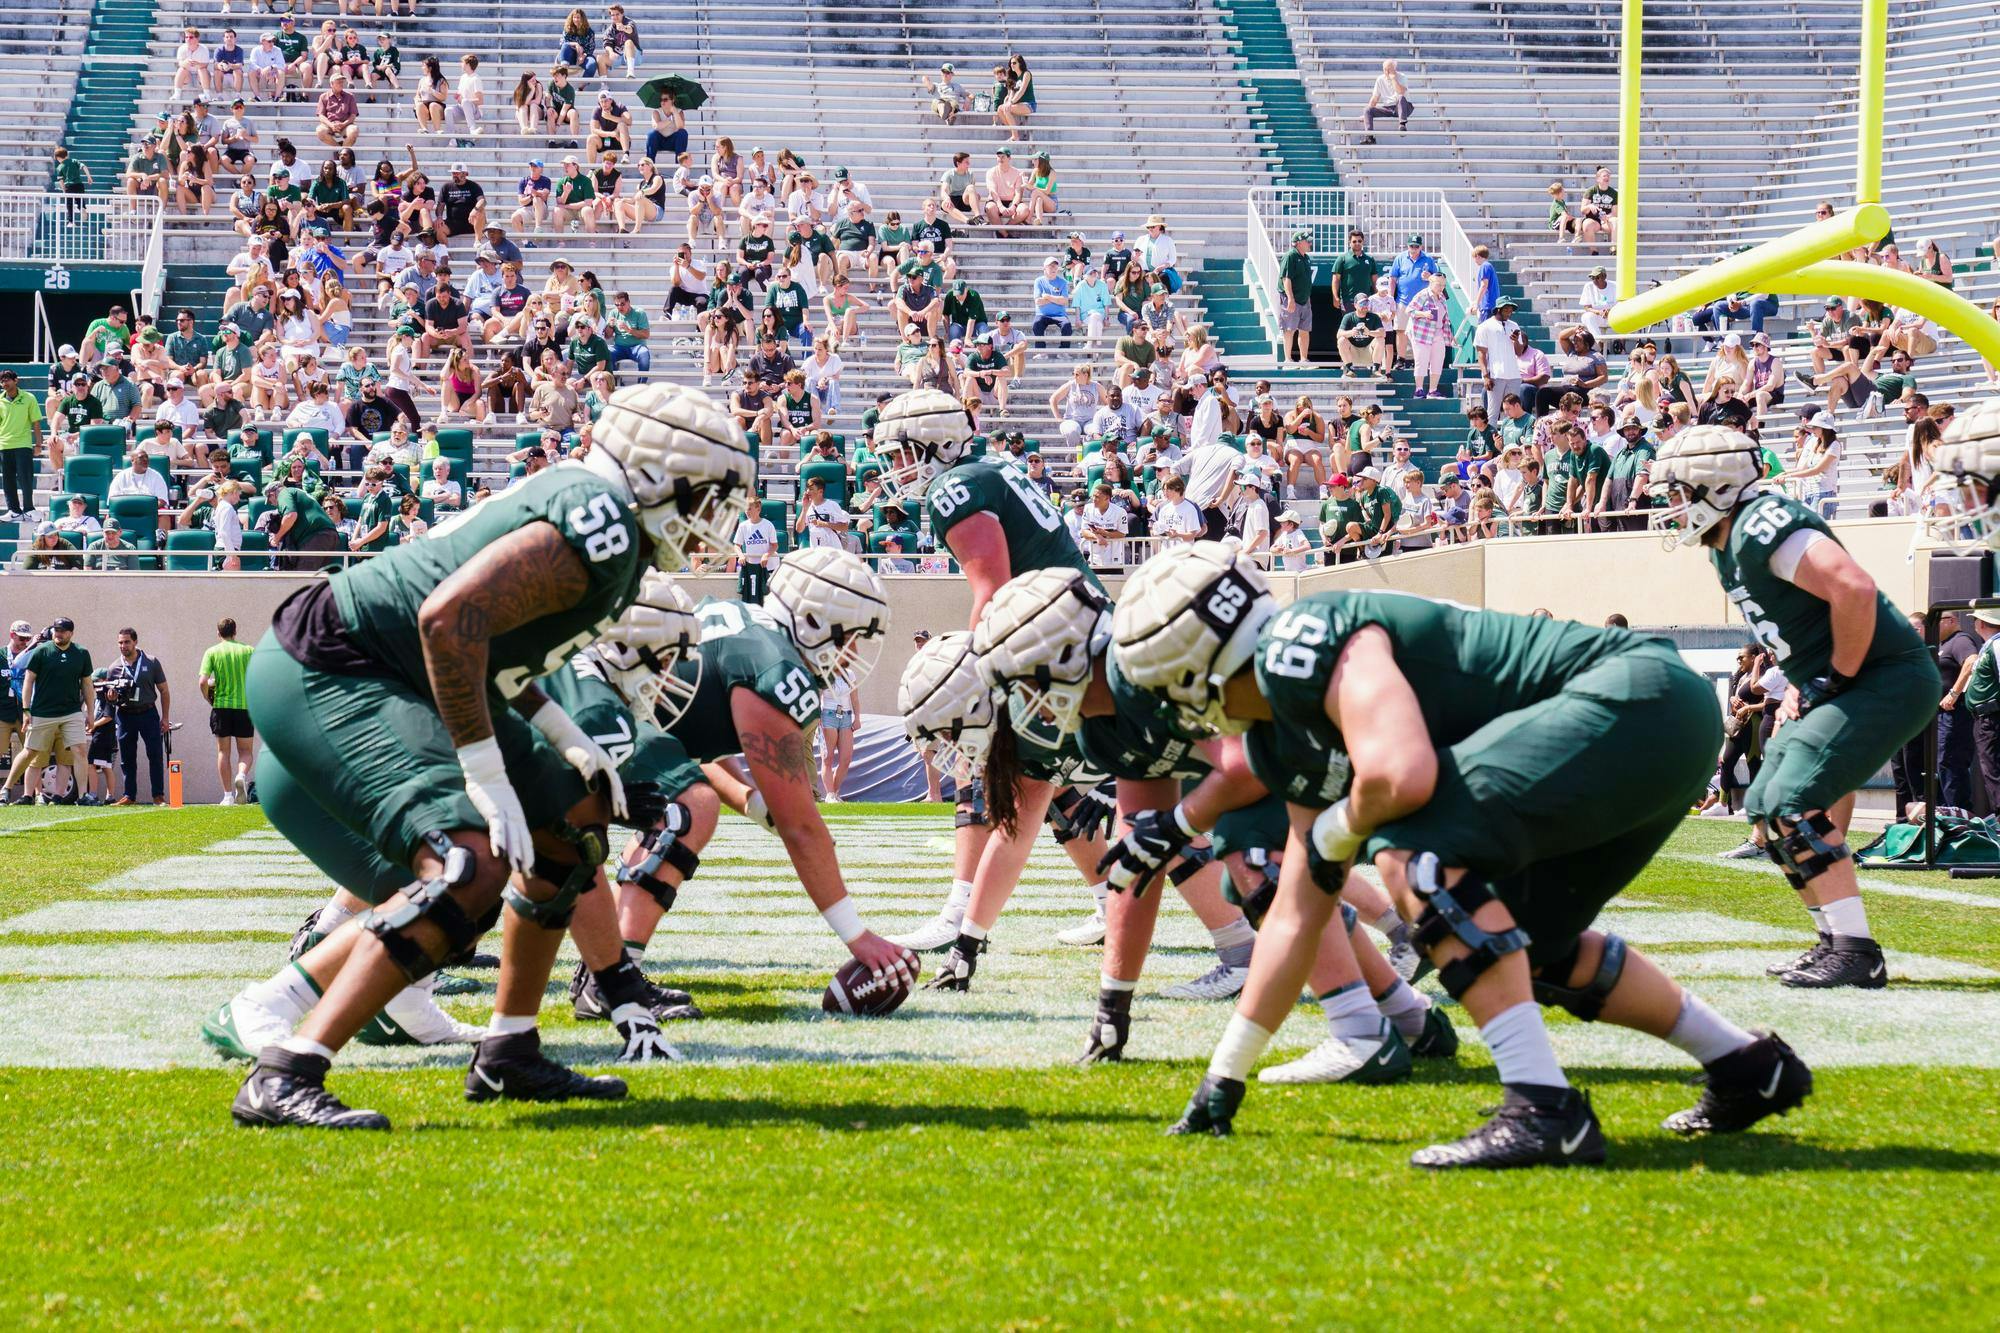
point(505, 1025)
point(335, 914)
point(1242, 1042)
point(1386, 922)
point(1350, 1011)
point(1108, 982)
point(961, 894)
point(1520, 1046)
point(1099, 890)
point(1705, 1034)
point(972, 929)
point(1846, 916)
point(1818, 915)
point(301, 1046)
point(290, 993)
point(1405, 1006)
point(1234, 942)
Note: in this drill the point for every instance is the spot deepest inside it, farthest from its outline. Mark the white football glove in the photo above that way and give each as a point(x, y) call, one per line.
point(493, 796)
point(758, 811)
point(579, 751)
point(644, 1042)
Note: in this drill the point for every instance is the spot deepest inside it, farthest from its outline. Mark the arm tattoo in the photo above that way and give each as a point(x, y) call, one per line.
point(789, 754)
point(524, 576)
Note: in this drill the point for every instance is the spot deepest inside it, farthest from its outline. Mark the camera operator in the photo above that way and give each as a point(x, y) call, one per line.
point(135, 692)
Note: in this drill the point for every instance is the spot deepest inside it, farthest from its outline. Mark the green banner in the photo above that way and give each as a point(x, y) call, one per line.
point(58, 278)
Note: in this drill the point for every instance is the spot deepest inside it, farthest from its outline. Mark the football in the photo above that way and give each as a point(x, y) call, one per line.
point(854, 990)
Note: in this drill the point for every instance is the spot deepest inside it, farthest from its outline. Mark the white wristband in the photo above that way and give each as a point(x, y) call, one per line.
point(845, 918)
point(482, 761)
point(1185, 824)
point(1332, 835)
point(1243, 1041)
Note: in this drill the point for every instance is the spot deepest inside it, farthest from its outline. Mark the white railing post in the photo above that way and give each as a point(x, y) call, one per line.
point(152, 274)
point(1260, 269)
point(77, 228)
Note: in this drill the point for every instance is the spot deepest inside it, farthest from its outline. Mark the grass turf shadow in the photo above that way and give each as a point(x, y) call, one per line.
point(847, 1117)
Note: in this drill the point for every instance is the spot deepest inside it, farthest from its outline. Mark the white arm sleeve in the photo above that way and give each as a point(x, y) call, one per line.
point(1785, 560)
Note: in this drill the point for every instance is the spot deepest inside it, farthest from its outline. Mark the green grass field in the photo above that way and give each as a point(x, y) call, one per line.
point(943, 1167)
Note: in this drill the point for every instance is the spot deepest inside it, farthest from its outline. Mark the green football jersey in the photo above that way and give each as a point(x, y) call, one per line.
point(1380, 509)
point(1466, 667)
point(1786, 619)
point(593, 705)
point(1135, 741)
point(1037, 537)
point(741, 648)
point(380, 598)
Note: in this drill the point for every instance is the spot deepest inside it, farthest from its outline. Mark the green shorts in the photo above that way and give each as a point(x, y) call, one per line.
point(1561, 804)
point(1264, 825)
point(660, 759)
point(337, 850)
point(373, 754)
point(1831, 751)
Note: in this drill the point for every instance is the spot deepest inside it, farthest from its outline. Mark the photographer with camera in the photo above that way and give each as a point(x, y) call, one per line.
point(135, 693)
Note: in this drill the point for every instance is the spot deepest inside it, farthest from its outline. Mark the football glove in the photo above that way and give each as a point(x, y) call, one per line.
point(580, 752)
point(1212, 1109)
point(1257, 901)
point(647, 807)
point(493, 796)
point(1821, 688)
point(1154, 838)
point(644, 1042)
point(1087, 813)
point(1110, 1028)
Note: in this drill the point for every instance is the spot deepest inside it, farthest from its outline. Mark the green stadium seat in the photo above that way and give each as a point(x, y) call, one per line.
point(59, 505)
point(456, 442)
point(318, 434)
point(101, 438)
point(833, 473)
point(256, 549)
point(776, 511)
point(190, 550)
point(139, 517)
point(254, 510)
point(89, 473)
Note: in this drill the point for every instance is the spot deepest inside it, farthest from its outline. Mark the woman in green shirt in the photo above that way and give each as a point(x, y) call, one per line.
point(331, 194)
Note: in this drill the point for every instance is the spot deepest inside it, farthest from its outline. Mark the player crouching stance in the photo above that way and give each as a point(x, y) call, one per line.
point(1493, 785)
point(1861, 683)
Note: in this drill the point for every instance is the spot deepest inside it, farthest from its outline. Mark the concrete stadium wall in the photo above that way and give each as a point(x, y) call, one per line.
point(1580, 578)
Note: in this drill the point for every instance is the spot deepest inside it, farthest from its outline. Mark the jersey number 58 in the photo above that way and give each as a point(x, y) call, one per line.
point(604, 536)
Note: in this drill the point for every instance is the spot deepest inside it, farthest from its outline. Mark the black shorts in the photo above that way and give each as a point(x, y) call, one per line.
point(104, 747)
point(233, 722)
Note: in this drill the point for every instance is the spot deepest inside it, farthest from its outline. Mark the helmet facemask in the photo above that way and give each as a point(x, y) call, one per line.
point(1973, 523)
point(700, 517)
point(1689, 514)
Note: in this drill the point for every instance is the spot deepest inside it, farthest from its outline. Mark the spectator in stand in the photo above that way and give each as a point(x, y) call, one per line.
point(1390, 96)
point(1295, 283)
point(1158, 256)
point(1210, 468)
point(1498, 343)
point(1599, 215)
point(20, 440)
point(578, 46)
point(385, 62)
point(610, 128)
point(1007, 199)
point(1735, 308)
point(339, 115)
point(1595, 300)
point(1075, 402)
point(1561, 221)
point(191, 64)
point(1410, 274)
point(1485, 282)
point(1814, 476)
point(1013, 96)
point(265, 68)
point(1363, 343)
point(148, 172)
point(621, 40)
point(947, 94)
point(1429, 317)
point(1354, 273)
point(1176, 519)
point(461, 206)
point(1052, 298)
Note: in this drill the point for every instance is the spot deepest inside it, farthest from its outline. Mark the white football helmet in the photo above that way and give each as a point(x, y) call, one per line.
point(920, 434)
point(1187, 621)
point(1703, 474)
point(637, 655)
point(1967, 461)
point(946, 706)
point(1037, 641)
point(685, 463)
point(832, 605)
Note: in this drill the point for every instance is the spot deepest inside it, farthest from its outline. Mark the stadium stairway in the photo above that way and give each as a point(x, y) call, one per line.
point(107, 91)
point(1265, 54)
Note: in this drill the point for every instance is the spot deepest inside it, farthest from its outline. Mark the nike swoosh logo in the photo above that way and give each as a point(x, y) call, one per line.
point(256, 1097)
point(497, 1086)
point(1569, 1146)
point(383, 1025)
point(1770, 1090)
point(1384, 1058)
point(1879, 969)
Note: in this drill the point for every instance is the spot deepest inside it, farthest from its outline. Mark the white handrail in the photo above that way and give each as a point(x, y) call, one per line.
point(1260, 272)
point(77, 228)
point(153, 272)
point(43, 339)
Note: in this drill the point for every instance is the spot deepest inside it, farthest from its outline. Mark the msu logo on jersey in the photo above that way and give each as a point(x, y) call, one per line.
point(1330, 787)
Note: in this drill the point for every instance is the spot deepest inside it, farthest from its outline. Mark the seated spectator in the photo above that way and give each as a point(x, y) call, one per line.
point(820, 521)
point(704, 212)
point(578, 45)
point(264, 69)
point(843, 311)
point(1013, 96)
point(1596, 299)
point(1007, 198)
point(1052, 303)
point(1075, 402)
point(1599, 214)
point(1158, 256)
point(339, 115)
point(148, 172)
point(79, 521)
point(948, 95)
point(610, 128)
point(917, 305)
point(1361, 341)
point(1736, 308)
point(1561, 221)
point(140, 478)
point(1010, 343)
point(444, 494)
point(1389, 96)
point(1090, 299)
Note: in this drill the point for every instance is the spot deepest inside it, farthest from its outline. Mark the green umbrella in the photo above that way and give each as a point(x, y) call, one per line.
point(687, 94)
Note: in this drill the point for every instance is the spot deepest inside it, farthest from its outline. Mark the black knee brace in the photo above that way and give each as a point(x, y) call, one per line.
point(662, 848)
point(1193, 861)
point(1448, 912)
point(1062, 806)
point(432, 899)
point(1349, 918)
point(571, 881)
point(1804, 848)
point(971, 811)
point(1585, 1001)
point(1257, 900)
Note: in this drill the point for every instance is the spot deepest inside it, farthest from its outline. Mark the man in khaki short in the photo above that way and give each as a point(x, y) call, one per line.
point(56, 694)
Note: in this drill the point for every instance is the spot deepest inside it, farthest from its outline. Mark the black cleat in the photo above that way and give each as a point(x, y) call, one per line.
point(1212, 1109)
point(1806, 959)
point(955, 972)
point(1553, 1127)
point(514, 1067)
point(1110, 1028)
point(484, 962)
point(287, 1088)
point(1847, 960)
point(1438, 1040)
point(666, 1004)
point(1764, 1078)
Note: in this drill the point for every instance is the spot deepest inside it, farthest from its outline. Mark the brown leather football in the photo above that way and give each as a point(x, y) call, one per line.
point(854, 990)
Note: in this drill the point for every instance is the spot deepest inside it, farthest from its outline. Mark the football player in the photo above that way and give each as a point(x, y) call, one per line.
point(1485, 764)
point(1860, 683)
point(400, 695)
point(754, 695)
point(1043, 645)
point(996, 524)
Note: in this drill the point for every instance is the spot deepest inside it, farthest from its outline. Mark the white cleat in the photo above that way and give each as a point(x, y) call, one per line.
point(1382, 1058)
point(239, 789)
point(1220, 982)
point(1085, 933)
point(940, 932)
point(242, 1028)
point(414, 1011)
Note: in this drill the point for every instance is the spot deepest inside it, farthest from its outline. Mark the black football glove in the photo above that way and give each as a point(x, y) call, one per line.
point(1821, 688)
point(1212, 1109)
point(1110, 1028)
point(1135, 861)
point(646, 805)
point(955, 972)
point(1328, 877)
point(1083, 812)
